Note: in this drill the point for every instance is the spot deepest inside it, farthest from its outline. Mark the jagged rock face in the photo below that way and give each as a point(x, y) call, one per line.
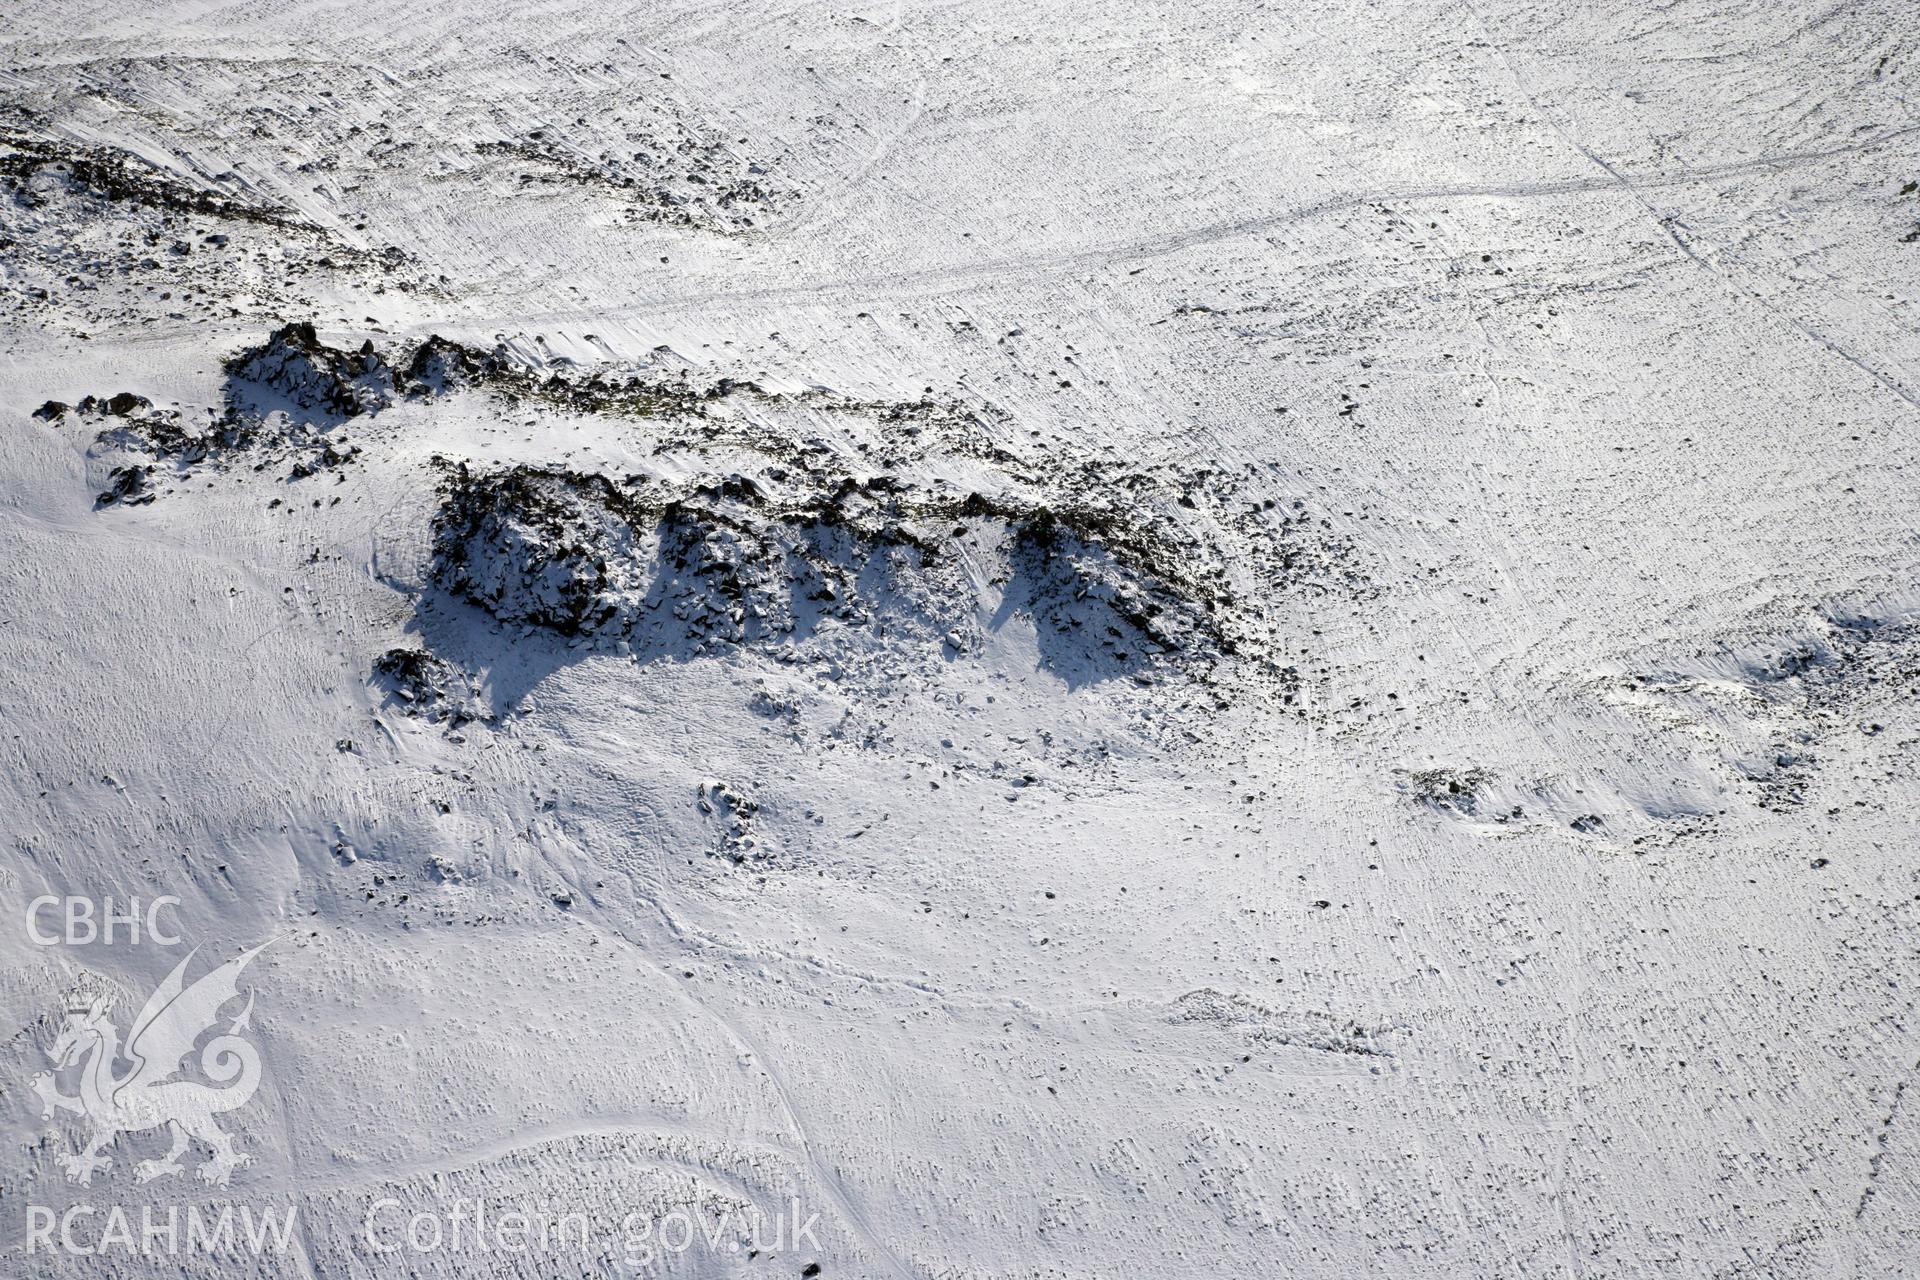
point(727, 564)
point(721, 571)
point(315, 376)
point(546, 548)
point(318, 378)
point(1076, 585)
point(740, 574)
point(1116, 571)
point(579, 553)
point(439, 364)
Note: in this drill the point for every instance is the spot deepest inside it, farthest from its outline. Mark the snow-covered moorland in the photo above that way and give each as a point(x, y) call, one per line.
point(959, 641)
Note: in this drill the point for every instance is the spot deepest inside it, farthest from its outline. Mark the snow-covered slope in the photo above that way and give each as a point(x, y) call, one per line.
point(1085, 641)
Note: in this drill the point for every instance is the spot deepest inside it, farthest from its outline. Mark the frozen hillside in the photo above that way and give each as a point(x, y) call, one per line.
point(1242, 640)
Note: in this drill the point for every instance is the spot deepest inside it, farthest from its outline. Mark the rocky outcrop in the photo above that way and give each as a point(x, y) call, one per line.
point(731, 563)
point(310, 374)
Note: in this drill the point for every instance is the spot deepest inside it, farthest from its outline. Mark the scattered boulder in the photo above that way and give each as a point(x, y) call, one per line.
point(122, 404)
point(1456, 790)
point(428, 686)
point(734, 812)
point(331, 456)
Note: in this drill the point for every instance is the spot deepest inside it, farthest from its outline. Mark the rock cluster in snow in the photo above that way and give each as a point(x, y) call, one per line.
point(314, 376)
point(733, 811)
point(428, 686)
point(741, 562)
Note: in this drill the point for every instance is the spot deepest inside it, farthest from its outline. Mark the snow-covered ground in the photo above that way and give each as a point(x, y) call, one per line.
point(1068, 641)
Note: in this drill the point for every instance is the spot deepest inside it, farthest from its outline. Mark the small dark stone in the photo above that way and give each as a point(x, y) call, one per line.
point(50, 410)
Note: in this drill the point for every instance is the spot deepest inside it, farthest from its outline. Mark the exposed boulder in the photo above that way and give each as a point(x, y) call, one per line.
point(440, 364)
point(131, 487)
point(427, 685)
point(543, 547)
point(312, 375)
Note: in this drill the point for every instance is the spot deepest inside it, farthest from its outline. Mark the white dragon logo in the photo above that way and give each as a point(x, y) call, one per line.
point(147, 1096)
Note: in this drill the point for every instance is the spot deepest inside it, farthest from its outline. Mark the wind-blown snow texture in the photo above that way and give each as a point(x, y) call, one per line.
point(1129, 640)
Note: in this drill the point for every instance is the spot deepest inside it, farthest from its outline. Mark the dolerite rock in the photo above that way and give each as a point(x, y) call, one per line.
point(121, 404)
point(547, 548)
point(733, 811)
point(408, 671)
point(440, 364)
point(331, 456)
point(130, 488)
point(50, 410)
point(1456, 790)
point(739, 561)
point(427, 685)
point(1078, 585)
point(313, 375)
point(724, 570)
